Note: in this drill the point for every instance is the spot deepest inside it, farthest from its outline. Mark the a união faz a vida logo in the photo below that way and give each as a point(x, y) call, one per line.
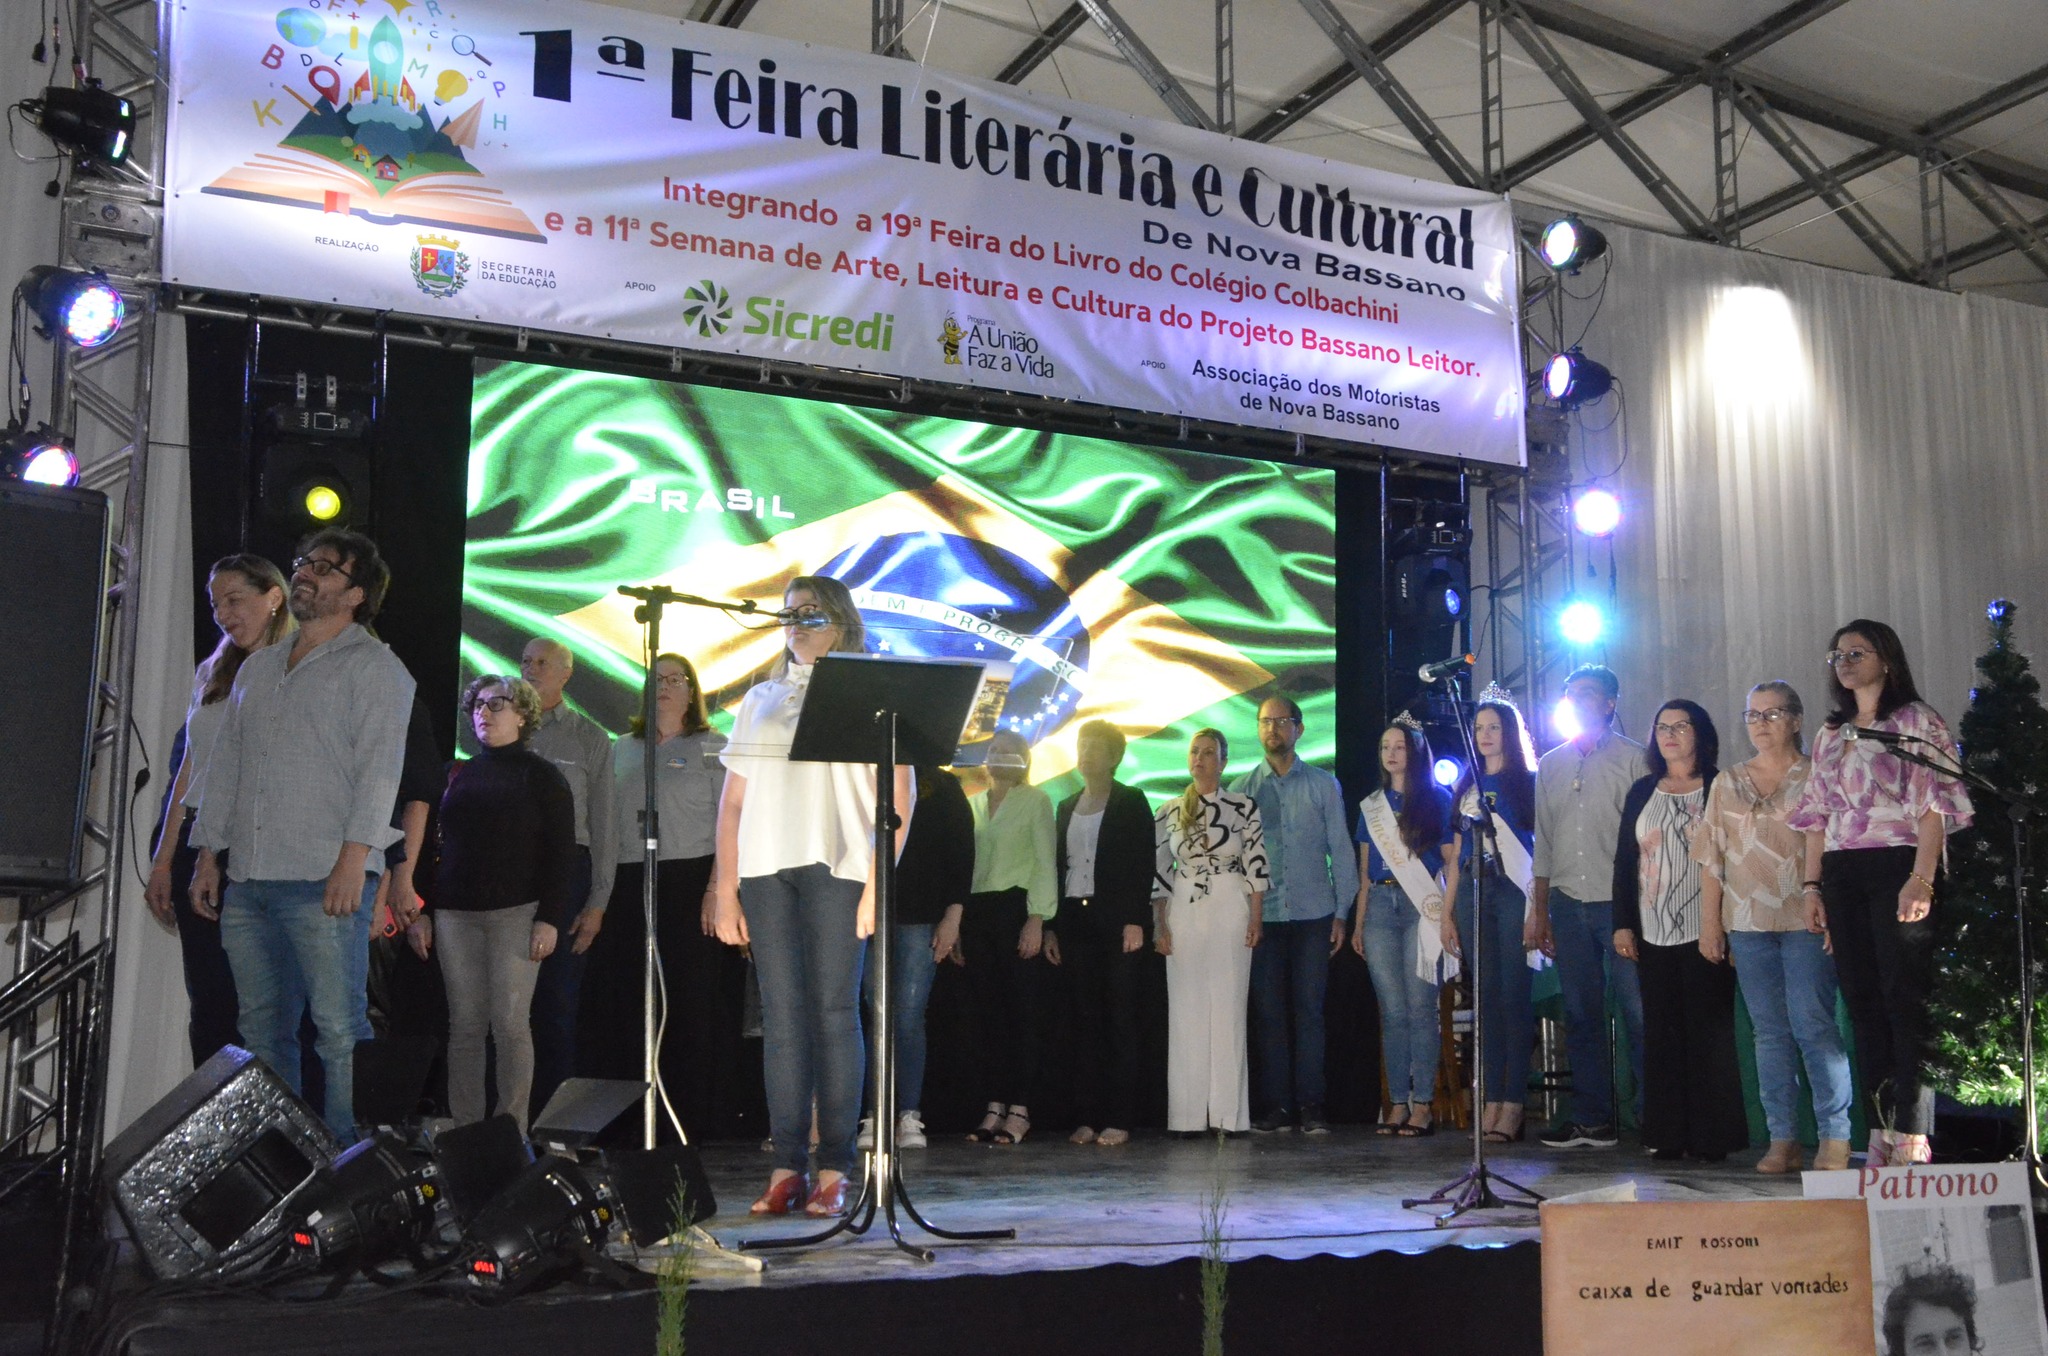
point(995, 348)
point(707, 308)
point(949, 341)
point(439, 265)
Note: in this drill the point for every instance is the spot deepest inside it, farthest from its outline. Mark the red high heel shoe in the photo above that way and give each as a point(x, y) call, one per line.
point(781, 1198)
point(828, 1200)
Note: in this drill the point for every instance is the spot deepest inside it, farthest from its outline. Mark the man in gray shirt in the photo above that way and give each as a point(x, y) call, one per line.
point(1580, 786)
point(581, 751)
point(298, 792)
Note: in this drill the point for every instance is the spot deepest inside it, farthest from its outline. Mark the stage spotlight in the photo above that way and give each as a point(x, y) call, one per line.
point(1572, 379)
point(323, 503)
point(1564, 718)
point(1582, 623)
point(83, 307)
point(38, 455)
point(1569, 244)
point(365, 1208)
point(1446, 771)
point(1453, 602)
point(538, 1229)
point(90, 122)
point(1596, 513)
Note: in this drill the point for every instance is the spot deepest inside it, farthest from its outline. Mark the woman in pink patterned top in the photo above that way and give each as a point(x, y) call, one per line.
point(1875, 824)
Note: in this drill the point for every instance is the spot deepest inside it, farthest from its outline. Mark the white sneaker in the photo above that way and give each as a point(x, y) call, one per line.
point(910, 1130)
point(867, 1133)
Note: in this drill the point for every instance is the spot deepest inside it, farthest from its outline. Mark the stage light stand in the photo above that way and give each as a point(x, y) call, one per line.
point(1474, 1189)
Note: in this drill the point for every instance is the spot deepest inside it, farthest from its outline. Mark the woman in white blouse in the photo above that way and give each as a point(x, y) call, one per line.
point(248, 597)
point(1207, 900)
point(1692, 1087)
point(794, 878)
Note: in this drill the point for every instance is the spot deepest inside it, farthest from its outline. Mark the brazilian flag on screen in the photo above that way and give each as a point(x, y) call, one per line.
point(1160, 590)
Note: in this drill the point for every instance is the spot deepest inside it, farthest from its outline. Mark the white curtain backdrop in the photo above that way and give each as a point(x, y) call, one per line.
point(1803, 447)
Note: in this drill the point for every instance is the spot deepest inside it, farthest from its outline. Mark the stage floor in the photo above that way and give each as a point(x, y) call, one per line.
point(1290, 1196)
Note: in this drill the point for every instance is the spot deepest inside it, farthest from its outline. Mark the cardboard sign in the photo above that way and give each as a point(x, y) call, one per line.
point(1707, 1277)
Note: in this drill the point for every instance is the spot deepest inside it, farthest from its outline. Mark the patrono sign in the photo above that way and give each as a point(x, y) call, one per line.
point(573, 167)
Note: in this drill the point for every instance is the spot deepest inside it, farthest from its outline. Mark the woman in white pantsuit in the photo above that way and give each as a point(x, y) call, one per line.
point(1208, 894)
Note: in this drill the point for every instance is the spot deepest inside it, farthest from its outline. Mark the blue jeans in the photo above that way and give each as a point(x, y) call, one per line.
point(1507, 1021)
point(808, 960)
point(1587, 969)
point(1410, 1033)
point(287, 956)
point(1290, 975)
point(911, 968)
point(1788, 981)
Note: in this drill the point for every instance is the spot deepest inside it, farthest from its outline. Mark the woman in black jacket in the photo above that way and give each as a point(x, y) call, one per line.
point(1105, 838)
point(502, 894)
point(1692, 1088)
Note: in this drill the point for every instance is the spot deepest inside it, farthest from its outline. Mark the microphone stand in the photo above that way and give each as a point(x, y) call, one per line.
point(652, 600)
point(2022, 812)
point(1474, 1189)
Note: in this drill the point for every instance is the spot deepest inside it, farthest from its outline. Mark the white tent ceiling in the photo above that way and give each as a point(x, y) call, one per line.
point(1866, 92)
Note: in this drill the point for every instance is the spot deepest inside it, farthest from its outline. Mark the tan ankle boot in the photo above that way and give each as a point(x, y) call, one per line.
point(1832, 1156)
point(1782, 1157)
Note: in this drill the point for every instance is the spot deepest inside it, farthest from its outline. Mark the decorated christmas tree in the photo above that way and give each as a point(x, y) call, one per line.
point(1977, 983)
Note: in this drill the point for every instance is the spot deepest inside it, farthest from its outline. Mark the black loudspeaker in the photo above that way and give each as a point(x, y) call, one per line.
point(206, 1178)
point(52, 603)
point(477, 1162)
point(644, 1183)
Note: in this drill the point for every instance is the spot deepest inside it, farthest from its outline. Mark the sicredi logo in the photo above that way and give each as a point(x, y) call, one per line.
point(772, 315)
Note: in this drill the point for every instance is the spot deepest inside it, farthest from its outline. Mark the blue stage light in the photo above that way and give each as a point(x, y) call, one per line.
point(38, 456)
point(1569, 244)
point(1596, 513)
point(83, 307)
point(1572, 379)
point(1582, 623)
point(1454, 602)
point(1446, 771)
point(1564, 719)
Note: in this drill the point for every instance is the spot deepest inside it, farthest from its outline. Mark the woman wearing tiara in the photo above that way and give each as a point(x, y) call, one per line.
point(1403, 829)
point(1503, 789)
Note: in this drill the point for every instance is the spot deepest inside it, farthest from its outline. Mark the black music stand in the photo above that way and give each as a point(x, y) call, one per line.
point(888, 712)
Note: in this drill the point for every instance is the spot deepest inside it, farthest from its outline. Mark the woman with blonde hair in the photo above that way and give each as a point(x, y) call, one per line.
point(247, 595)
point(1208, 901)
point(795, 880)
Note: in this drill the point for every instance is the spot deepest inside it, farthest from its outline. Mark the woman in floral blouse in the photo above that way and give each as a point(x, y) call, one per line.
point(1874, 827)
point(1208, 899)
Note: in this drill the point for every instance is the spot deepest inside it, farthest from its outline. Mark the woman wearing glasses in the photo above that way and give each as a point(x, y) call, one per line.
point(1692, 1089)
point(703, 980)
point(1874, 827)
point(1751, 911)
point(795, 879)
point(502, 895)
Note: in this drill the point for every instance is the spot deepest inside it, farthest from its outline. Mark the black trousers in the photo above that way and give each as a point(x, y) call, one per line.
point(1692, 1085)
point(1104, 987)
point(209, 984)
point(1887, 971)
point(705, 981)
point(1004, 994)
point(557, 992)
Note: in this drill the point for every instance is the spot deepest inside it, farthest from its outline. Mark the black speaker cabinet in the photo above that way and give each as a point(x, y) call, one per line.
point(645, 1184)
point(52, 602)
point(206, 1178)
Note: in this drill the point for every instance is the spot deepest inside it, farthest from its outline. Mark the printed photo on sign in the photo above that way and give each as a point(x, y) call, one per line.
point(1951, 1256)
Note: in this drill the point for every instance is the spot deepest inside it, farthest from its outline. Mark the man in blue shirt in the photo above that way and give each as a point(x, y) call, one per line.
point(1314, 882)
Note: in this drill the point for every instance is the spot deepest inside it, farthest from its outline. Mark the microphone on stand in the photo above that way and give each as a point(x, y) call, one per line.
point(808, 621)
point(1444, 668)
point(1851, 734)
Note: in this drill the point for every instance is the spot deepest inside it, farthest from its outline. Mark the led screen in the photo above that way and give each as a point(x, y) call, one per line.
point(1160, 590)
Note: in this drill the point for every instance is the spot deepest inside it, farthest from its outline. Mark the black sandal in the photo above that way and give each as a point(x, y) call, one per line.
point(991, 1124)
point(1016, 1125)
point(1389, 1126)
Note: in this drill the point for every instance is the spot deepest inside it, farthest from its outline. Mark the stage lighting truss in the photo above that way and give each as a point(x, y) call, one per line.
point(1569, 244)
point(39, 455)
point(82, 307)
point(1572, 379)
point(88, 122)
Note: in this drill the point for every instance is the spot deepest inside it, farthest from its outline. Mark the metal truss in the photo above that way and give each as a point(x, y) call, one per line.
point(1150, 68)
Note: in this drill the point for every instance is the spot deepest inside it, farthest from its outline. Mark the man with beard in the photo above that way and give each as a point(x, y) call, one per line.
point(299, 792)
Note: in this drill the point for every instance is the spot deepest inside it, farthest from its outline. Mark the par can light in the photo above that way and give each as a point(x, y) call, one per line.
point(1596, 513)
point(83, 307)
point(1569, 244)
point(38, 455)
point(1582, 623)
point(1572, 379)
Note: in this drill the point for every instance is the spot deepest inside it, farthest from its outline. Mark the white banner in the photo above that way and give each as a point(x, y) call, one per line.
point(572, 167)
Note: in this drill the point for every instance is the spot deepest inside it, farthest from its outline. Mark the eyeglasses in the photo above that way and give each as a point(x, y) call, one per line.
point(1264, 721)
point(1674, 729)
point(498, 703)
point(321, 567)
point(806, 612)
point(1837, 658)
point(1771, 717)
point(673, 680)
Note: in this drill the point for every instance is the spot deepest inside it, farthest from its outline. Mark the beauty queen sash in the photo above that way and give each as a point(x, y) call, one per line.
point(1416, 882)
point(1514, 860)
